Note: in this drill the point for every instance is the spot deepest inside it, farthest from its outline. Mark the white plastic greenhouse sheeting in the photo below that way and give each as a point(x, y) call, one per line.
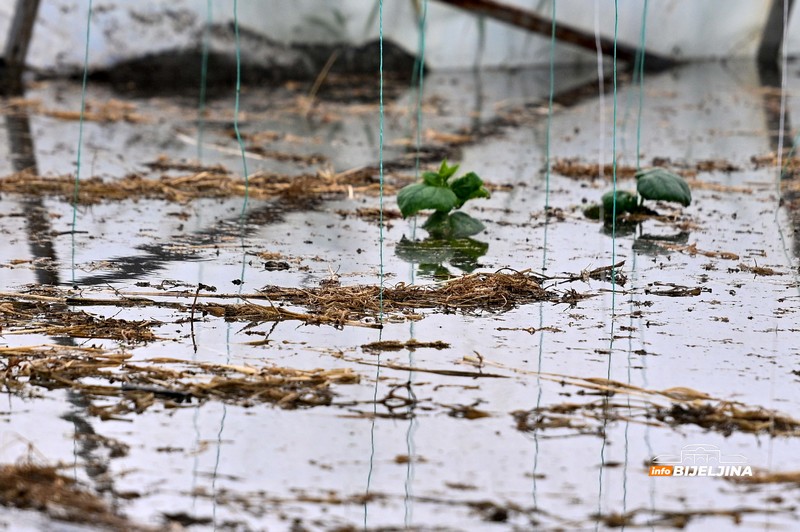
point(122, 29)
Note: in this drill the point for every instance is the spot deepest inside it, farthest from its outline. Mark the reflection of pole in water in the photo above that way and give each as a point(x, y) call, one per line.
point(779, 128)
point(41, 245)
point(773, 74)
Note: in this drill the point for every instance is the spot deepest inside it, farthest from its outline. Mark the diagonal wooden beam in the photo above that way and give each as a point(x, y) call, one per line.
point(534, 22)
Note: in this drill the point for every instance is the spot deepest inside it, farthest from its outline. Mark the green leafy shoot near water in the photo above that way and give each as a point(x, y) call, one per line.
point(442, 192)
point(656, 184)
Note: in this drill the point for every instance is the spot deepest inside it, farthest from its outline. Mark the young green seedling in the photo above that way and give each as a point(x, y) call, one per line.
point(655, 184)
point(442, 192)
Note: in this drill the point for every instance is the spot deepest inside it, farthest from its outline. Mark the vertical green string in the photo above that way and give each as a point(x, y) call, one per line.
point(640, 69)
point(380, 158)
point(201, 110)
point(420, 75)
point(614, 174)
point(534, 473)
point(76, 188)
point(547, 133)
point(380, 245)
point(639, 66)
point(613, 257)
point(236, 109)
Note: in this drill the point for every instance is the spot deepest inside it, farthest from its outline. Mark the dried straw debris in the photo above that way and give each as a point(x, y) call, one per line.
point(57, 319)
point(360, 305)
point(209, 183)
point(28, 485)
point(477, 292)
point(134, 387)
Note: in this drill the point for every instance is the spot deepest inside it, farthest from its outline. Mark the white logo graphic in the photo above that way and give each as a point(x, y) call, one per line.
point(700, 454)
point(700, 460)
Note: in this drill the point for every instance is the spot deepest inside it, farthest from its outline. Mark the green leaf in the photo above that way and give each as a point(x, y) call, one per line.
point(455, 225)
point(434, 179)
point(592, 211)
point(467, 187)
point(626, 202)
point(447, 171)
point(437, 225)
point(463, 225)
point(419, 196)
point(663, 185)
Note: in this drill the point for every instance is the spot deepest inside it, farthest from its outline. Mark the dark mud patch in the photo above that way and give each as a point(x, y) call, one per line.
point(263, 61)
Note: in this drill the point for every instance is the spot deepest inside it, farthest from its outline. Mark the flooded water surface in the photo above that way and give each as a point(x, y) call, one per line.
point(182, 359)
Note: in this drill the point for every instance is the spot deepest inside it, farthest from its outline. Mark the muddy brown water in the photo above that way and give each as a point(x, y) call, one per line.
point(428, 438)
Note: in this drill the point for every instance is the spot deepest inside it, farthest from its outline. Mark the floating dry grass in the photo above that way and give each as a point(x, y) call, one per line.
point(32, 486)
point(361, 304)
point(204, 184)
point(135, 386)
point(96, 111)
point(475, 292)
point(728, 417)
point(578, 169)
point(49, 310)
point(670, 407)
point(58, 320)
point(678, 519)
point(396, 345)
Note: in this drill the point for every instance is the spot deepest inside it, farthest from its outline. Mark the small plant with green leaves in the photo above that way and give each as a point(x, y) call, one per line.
point(442, 192)
point(656, 184)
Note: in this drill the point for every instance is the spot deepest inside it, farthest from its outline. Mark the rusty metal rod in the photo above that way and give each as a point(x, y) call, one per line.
point(533, 22)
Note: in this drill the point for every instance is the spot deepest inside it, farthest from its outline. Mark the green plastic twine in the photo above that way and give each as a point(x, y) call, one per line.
point(614, 171)
point(76, 188)
point(549, 126)
point(544, 243)
point(420, 74)
point(380, 246)
point(236, 109)
point(380, 157)
point(640, 68)
point(201, 109)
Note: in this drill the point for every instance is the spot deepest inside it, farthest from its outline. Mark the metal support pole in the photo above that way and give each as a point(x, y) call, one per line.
point(772, 38)
point(531, 21)
point(16, 49)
